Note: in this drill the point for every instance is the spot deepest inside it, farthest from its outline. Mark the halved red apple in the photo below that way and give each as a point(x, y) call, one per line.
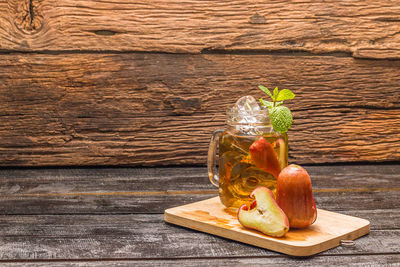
point(264, 214)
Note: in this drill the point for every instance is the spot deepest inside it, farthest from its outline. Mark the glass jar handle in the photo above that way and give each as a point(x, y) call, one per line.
point(211, 160)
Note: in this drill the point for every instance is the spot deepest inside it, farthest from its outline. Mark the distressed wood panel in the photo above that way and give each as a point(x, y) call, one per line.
point(182, 179)
point(125, 191)
point(157, 202)
point(146, 238)
point(140, 237)
point(324, 260)
point(365, 28)
point(160, 109)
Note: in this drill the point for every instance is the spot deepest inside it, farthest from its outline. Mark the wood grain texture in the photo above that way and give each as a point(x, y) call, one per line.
point(133, 202)
point(140, 237)
point(126, 191)
point(145, 239)
point(365, 28)
point(91, 180)
point(160, 109)
point(325, 260)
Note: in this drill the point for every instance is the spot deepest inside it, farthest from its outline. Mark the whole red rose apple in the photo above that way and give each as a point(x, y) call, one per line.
point(294, 196)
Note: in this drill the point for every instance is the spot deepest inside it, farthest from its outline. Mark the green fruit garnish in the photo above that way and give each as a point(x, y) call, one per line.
point(281, 117)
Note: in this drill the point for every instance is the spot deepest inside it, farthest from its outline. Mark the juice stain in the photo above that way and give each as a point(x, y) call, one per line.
point(204, 216)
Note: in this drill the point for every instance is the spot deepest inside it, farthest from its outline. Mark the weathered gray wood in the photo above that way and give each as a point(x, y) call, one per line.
point(321, 260)
point(70, 180)
point(364, 28)
point(122, 179)
point(355, 176)
point(127, 203)
point(380, 219)
point(137, 237)
point(128, 190)
point(160, 109)
point(152, 190)
point(140, 237)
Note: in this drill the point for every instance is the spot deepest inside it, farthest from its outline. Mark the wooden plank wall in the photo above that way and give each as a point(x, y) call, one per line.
point(93, 82)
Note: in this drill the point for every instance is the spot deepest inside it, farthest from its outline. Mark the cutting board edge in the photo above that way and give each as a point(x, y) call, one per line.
point(216, 230)
point(293, 250)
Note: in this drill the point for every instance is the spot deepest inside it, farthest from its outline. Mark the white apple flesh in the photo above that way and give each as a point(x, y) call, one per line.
point(264, 214)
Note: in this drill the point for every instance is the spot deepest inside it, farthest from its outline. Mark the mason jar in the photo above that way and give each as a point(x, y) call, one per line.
point(250, 154)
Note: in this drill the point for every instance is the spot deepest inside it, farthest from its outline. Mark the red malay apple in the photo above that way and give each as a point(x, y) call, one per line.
point(264, 157)
point(294, 196)
point(264, 214)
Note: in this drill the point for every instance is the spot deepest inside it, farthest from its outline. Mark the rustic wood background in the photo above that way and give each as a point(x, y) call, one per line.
point(118, 83)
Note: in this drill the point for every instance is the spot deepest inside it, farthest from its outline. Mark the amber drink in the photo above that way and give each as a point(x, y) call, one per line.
point(240, 168)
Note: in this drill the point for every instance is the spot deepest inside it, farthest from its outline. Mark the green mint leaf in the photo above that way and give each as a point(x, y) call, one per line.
point(269, 104)
point(281, 119)
point(285, 94)
point(265, 103)
point(265, 90)
point(275, 94)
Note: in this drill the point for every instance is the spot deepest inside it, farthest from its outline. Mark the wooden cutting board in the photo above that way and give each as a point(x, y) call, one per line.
point(212, 217)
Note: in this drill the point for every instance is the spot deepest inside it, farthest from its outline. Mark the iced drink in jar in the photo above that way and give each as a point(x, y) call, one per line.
point(251, 153)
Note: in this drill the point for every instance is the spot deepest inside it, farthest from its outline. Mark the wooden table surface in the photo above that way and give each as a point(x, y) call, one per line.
point(114, 217)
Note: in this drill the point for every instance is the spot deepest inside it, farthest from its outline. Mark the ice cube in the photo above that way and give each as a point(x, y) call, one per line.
point(245, 110)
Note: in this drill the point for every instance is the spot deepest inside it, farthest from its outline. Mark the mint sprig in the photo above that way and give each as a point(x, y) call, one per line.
point(265, 90)
point(281, 117)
